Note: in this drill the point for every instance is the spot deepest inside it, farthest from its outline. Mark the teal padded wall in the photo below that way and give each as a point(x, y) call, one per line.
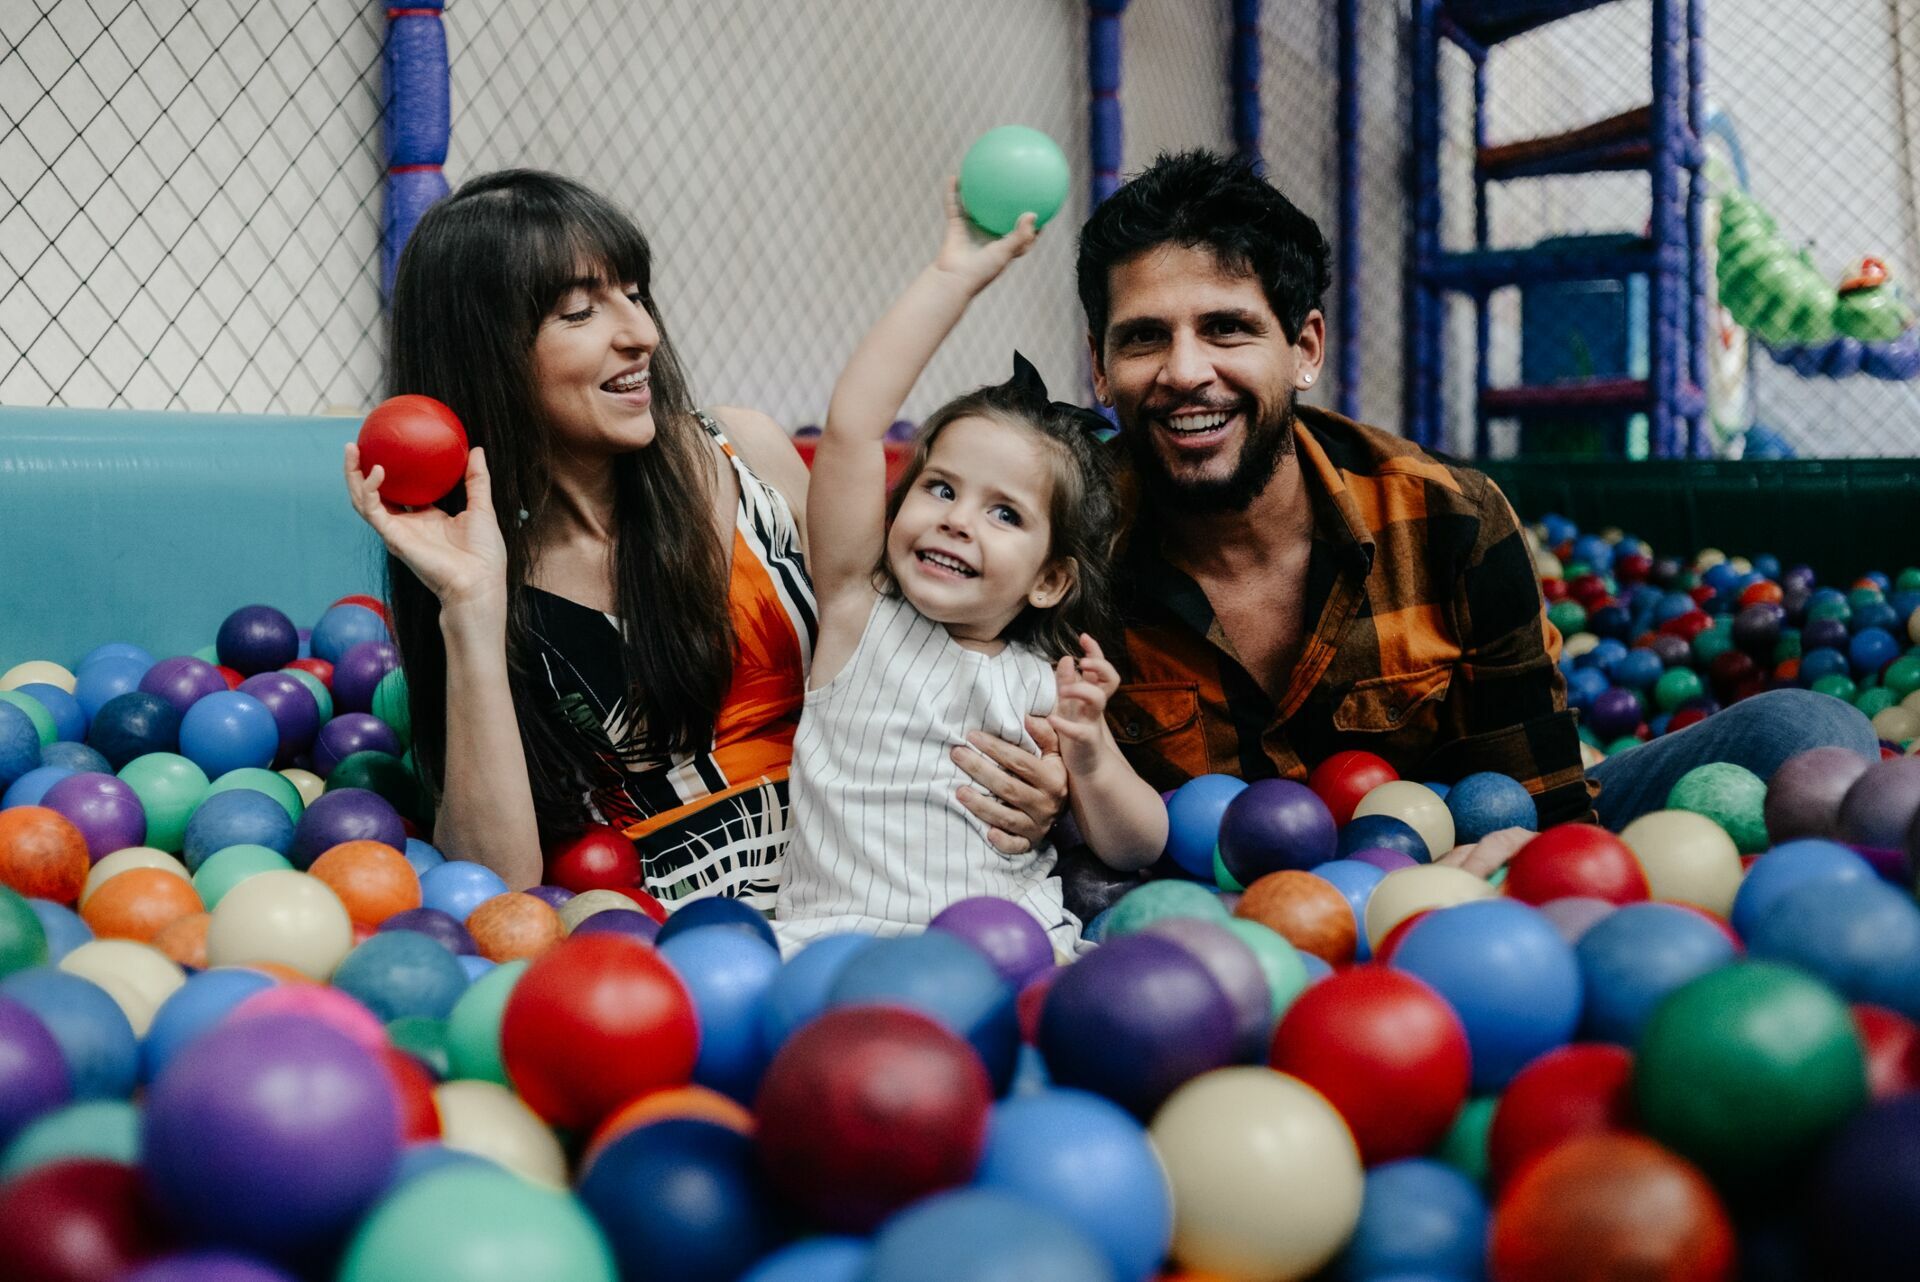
point(125, 525)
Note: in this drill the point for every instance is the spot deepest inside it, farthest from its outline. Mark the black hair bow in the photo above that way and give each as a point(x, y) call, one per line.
point(1026, 380)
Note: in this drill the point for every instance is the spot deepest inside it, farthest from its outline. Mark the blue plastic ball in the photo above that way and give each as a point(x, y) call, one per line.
point(982, 1235)
point(815, 1259)
point(398, 973)
point(29, 788)
point(457, 887)
point(93, 1034)
point(1786, 867)
point(1383, 832)
point(236, 817)
point(945, 979)
point(69, 720)
point(1356, 881)
point(1638, 669)
point(97, 682)
point(421, 856)
point(1871, 649)
point(1595, 551)
point(64, 929)
point(1194, 813)
point(1861, 937)
point(132, 725)
point(681, 1199)
point(1584, 685)
point(77, 757)
point(715, 910)
point(799, 992)
point(1486, 802)
point(229, 730)
point(727, 973)
point(1822, 661)
point(343, 627)
point(1418, 1217)
point(194, 1007)
point(1634, 956)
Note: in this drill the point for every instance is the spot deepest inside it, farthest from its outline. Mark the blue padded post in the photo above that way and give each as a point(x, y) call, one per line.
point(418, 117)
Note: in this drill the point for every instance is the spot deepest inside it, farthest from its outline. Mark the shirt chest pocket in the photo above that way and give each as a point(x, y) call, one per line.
point(1158, 728)
point(1401, 702)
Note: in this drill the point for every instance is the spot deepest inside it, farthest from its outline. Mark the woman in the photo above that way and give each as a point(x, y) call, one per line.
point(611, 620)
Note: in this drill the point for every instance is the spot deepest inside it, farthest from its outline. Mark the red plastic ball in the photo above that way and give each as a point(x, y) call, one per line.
point(373, 603)
point(1764, 592)
point(643, 901)
point(1610, 1206)
point(79, 1220)
point(1388, 1053)
point(1576, 860)
point(1892, 1043)
point(1633, 567)
point(869, 1108)
point(1588, 589)
point(422, 445)
point(1575, 1090)
point(600, 858)
point(1553, 589)
point(1346, 777)
point(1390, 942)
point(594, 1022)
point(319, 669)
point(413, 1091)
point(229, 675)
point(1701, 593)
point(1687, 626)
point(1730, 674)
point(1686, 717)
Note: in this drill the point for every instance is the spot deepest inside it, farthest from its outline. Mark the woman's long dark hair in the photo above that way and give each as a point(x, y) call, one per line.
point(481, 271)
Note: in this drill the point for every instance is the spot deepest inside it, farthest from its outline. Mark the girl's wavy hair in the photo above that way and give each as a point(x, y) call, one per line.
point(1082, 514)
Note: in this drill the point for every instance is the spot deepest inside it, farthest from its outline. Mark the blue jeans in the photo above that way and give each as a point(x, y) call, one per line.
point(1758, 733)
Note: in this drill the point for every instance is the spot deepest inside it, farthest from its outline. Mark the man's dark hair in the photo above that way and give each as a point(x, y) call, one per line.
point(1200, 198)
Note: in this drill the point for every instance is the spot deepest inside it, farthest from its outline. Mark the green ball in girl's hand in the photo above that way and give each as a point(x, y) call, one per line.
point(1010, 171)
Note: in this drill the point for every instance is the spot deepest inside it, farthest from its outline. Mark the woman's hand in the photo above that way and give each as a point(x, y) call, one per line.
point(461, 559)
point(1021, 792)
point(969, 256)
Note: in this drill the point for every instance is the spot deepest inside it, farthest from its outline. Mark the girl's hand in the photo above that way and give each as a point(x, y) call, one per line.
point(461, 559)
point(1080, 703)
point(969, 256)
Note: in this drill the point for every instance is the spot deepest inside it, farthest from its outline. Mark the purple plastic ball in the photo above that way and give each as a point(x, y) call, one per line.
point(1673, 652)
point(354, 732)
point(1237, 971)
point(345, 814)
point(257, 638)
point(1384, 860)
point(33, 1075)
point(1882, 804)
point(1615, 713)
point(207, 1266)
point(359, 671)
point(105, 810)
point(1804, 794)
point(620, 921)
point(1756, 629)
point(1004, 933)
point(294, 709)
point(271, 1134)
point(441, 928)
point(1274, 825)
point(551, 896)
point(183, 681)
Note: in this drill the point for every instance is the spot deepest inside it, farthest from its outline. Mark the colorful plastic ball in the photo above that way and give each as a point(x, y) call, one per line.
point(1237, 1144)
point(228, 868)
point(1508, 974)
point(421, 444)
point(1787, 867)
point(681, 1199)
point(1892, 1046)
point(350, 733)
point(272, 784)
point(346, 814)
point(190, 1010)
point(284, 917)
point(1405, 892)
point(1273, 825)
point(1606, 1206)
point(138, 903)
point(1687, 858)
point(589, 903)
point(1135, 1019)
point(37, 672)
point(1384, 861)
point(207, 1266)
point(1345, 777)
point(98, 683)
point(1310, 912)
point(458, 887)
point(42, 854)
point(182, 681)
point(977, 1234)
point(1880, 806)
point(1194, 814)
point(1009, 171)
point(716, 910)
point(34, 1079)
point(1634, 957)
point(64, 929)
point(1008, 936)
point(1238, 972)
point(867, 1109)
point(312, 675)
point(420, 857)
point(30, 789)
point(390, 704)
point(1487, 802)
point(1675, 687)
point(105, 1129)
point(105, 810)
point(229, 730)
point(473, 1223)
point(827, 1258)
point(946, 980)
point(1804, 794)
point(1747, 1068)
point(726, 973)
point(79, 1220)
point(1418, 1218)
point(1155, 900)
point(358, 673)
point(137, 977)
point(684, 1103)
point(512, 926)
point(1615, 713)
point(1355, 879)
point(257, 638)
point(800, 990)
point(1865, 1199)
point(1386, 1051)
point(94, 1035)
point(132, 725)
point(373, 880)
point(1730, 795)
point(593, 1023)
point(1575, 1090)
point(600, 858)
point(1862, 937)
point(400, 973)
point(341, 628)
point(1870, 650)
point(1417, 807)
point(272, 1134)
point(69, 719)
point(23, 940)
point(1576, 860)
point(1382, 832)
point(473, 1029)
point(170, 788)
point(1083, 1159)
point(235, 817)
point(443, 928)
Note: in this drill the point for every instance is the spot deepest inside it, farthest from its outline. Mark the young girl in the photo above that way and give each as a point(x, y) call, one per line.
point(964, 601)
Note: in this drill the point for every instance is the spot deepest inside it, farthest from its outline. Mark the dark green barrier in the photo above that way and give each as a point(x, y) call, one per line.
point(1841, 516)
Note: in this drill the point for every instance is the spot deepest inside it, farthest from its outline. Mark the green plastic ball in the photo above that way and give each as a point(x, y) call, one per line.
point(37, 713)
point(102, 1128)
point(23, 940)
point(321, 695)
point(1144, 905)
point(1011, 171)
point(1788, 646)
point(208, 654)
point(1621, 744)
point(1874, 701)
point(1830, 610)
point(1675, 687)
point(1908, 580)
point(1864, 596)
point(169, 787)
point(1567, 616)
point(1732, 796)
point(1747, 1068)
point(1279, 961)
point(270, 782)
point(1465, 1146)
point(1711, 644)
point(473, 1026)
point(221, 871)
point(390, 705)
point(386, 775)
point(1902, 676)
point(1222, 878)
point(469, 1224)
point(424, 1038)
point(1837, 684)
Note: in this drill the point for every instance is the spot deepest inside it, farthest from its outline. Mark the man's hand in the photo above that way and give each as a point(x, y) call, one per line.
point(1020, 792)
point(1487, 856)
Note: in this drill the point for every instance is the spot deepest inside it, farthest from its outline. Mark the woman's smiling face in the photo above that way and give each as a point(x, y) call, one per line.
point(591, 359)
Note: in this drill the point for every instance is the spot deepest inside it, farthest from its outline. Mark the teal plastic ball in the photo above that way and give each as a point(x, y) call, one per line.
point(1010, 171)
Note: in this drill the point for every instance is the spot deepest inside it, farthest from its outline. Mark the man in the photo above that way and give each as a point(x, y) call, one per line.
point(1296, 583)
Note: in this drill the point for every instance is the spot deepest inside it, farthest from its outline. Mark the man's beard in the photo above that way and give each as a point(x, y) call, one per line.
point(1268, 440)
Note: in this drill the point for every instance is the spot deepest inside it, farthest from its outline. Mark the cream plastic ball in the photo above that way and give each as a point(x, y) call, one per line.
point(1546, 565)
point(1912, 702)
point(488, 1119)
point(1578, 644)
point(286, 917)
point(137, 977)
point(1265, 1176)
point(588, 902)
point(37, 672)
point(1897, 724)
point(1417, 805)
point(1688, 859)
point(1406, 891)
point(308, 784)
point(1590, 756)
point(1708, 558)
point(126, 860)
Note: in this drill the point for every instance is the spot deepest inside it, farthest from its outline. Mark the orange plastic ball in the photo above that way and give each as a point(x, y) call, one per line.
point(373, 880)
point(509, 927)
point(280, 971)
point(42, 855)
point(138, 904)
point(1309, 911)
point(186, 940)
point(670, 1103)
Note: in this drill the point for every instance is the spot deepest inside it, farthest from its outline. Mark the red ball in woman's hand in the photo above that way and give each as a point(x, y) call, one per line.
point(420, 443)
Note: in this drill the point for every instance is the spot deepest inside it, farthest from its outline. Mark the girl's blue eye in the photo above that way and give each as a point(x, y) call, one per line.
point(1004, 513)
point(940, 489)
